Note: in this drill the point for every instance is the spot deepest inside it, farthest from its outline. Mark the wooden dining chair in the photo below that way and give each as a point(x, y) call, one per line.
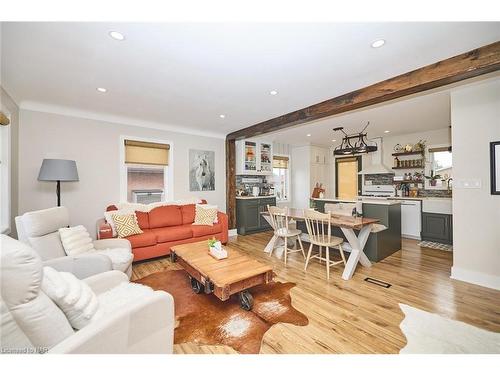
point(319, 228)
point(279, 222)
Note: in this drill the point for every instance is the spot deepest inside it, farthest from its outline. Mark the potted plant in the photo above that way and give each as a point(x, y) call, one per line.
point(215, 249)
point(433, 178)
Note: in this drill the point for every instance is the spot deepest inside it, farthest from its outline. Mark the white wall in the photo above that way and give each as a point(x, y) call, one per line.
point(95, 147)
point(475, 115)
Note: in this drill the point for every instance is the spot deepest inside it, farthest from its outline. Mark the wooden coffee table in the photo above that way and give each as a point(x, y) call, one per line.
point(235, 274)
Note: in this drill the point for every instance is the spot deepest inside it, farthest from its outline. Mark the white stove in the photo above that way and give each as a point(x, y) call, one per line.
point(378, 191)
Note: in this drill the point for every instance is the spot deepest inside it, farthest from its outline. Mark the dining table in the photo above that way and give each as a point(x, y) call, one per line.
point(349, 225)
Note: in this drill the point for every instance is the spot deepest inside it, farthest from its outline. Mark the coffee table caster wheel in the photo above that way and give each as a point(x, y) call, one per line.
point(196, 286)
point(246, 300)
point(173, 257)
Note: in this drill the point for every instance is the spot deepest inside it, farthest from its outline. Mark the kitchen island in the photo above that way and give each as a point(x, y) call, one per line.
point(383, 241)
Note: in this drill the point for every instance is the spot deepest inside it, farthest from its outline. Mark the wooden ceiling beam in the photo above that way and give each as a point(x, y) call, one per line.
point(466, 65)
point(471, 64)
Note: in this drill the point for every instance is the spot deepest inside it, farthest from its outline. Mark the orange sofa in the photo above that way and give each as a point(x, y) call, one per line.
point(167, 226)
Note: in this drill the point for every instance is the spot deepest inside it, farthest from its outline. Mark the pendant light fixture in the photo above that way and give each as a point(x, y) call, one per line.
point(354, 143)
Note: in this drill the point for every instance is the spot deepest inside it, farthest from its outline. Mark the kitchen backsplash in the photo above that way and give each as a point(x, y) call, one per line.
point(380, 178)
point(386, 179)
point(435, 193)
point(246, 183)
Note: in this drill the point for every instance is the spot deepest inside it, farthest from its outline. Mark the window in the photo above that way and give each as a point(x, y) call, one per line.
point(145, 175)
point(440, 159)
point(281, 177)
point(4, 174)
point(145, 183)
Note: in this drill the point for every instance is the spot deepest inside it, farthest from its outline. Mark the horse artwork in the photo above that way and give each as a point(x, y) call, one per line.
point(202, 170)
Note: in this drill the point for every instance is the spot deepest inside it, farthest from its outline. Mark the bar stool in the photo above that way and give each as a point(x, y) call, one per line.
point(317, 224)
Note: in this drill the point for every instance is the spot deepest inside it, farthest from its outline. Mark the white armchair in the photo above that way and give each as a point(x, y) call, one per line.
point(31, 322)
point(39, 229)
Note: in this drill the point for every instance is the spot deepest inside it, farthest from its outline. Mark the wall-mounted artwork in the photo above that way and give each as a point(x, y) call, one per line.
point(495, 167)
point(201, 170)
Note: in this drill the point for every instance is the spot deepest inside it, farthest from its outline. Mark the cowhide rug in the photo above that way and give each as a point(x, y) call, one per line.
point(428, 333)
point(206, 320)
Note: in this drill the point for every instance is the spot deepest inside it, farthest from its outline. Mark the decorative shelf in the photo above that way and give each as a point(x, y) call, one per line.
point(408, 153)
point(421, 168)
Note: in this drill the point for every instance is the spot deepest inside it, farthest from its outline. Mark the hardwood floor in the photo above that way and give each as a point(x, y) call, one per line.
point(355, 316)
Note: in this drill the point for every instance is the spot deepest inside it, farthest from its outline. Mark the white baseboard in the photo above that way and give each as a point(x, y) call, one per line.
point(232, 232)
point(473, 277)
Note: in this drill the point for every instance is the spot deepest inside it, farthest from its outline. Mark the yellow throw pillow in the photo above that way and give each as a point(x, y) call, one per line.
point(205, 215)
point(126, 225)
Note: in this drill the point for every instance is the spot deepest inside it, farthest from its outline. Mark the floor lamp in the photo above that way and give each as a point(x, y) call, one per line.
point(58, 170)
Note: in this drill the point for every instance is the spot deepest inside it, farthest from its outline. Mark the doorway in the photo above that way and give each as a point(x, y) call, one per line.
point(347, 180)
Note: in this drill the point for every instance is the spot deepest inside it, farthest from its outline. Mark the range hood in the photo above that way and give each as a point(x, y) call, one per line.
point(376, 166)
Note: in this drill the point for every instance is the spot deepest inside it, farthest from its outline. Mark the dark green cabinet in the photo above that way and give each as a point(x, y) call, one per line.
point(252, 217)
point(248, 215)
point(437, 227)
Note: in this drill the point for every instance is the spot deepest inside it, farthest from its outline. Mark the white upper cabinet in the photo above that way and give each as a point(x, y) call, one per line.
point(254, 157)
point(319, 155)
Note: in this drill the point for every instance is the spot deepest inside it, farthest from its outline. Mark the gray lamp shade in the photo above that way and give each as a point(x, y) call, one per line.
point(58, 170)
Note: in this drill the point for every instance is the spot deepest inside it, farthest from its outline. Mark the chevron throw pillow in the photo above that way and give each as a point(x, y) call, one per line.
point(126, 225)
point(205, 215)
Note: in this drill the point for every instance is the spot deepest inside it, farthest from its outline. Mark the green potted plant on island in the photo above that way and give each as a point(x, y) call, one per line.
point(433, 178)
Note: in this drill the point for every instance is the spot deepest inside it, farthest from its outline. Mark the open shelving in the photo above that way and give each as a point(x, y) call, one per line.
point(408, 153)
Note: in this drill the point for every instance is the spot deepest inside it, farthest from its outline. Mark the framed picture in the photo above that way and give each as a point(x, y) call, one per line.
point(201, 170)
point(495, 167)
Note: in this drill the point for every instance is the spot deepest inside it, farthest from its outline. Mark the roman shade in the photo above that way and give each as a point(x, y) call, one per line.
point(440, 149)
point(280, 162)
point(4, 120)
point(137, 152)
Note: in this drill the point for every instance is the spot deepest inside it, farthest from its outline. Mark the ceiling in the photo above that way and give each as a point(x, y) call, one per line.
point(183, 76)
point(417, 114)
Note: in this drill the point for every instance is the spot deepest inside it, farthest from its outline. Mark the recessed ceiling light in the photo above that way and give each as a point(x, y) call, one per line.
point(387, 131)
point(378, 43)
point(222, 116)
point(101, 89)
point(308, 135)
point(273, 92)
point(116, 35)
point(334, 140)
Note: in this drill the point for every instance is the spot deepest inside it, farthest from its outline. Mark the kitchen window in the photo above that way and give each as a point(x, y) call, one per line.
point(145, 171)
point(440, 166)
point(281, 177)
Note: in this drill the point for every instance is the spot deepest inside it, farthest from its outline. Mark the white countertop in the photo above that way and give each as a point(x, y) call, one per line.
point(367, 200)
point(420, 198)
point(258, 197)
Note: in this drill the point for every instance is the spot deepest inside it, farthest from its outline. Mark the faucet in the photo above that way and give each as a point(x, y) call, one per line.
point(448, 182)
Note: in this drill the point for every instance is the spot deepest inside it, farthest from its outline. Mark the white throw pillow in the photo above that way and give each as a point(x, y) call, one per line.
point(76, 240)
point(73, 296)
